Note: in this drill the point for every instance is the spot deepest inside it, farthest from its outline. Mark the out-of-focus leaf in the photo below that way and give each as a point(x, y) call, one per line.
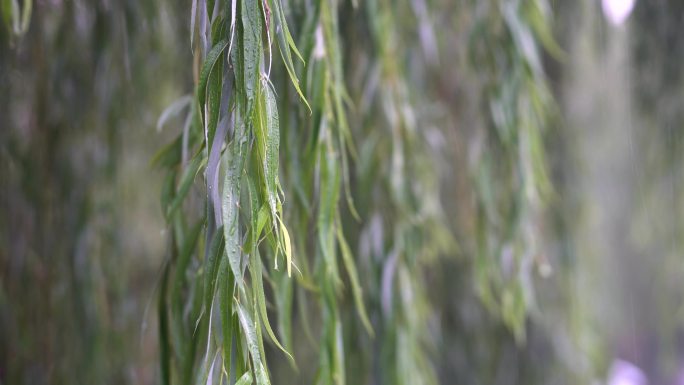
point(185, 182)
point(164, 344)
point(25, 16)
point(169, 155)
point(193, 18)
point(181, 264)
point(258, 284)
point(357, 292)
point(168, 190)
point(172, 110)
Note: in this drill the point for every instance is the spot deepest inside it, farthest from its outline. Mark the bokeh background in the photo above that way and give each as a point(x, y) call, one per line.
point(82, 235)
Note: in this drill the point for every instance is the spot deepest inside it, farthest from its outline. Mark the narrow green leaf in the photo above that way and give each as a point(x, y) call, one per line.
point(230, 205)
point(186, 181)
point(7, 13)
point(183, 261)
point(255, 266)
point(357, 292)
point(285, 43)
point(164, 344)
point(253, 237)
point(26, 16)
point(287, 245)
point(261, 375)
point(272, 147)
point(245, 379)
point(168, 190)
point(211, 267)
point(233, 12)
point(251, 48)
point(207, 69)
point(329, 196)
point(212, 108)
point(169, 155)
point(210, 8)
point(258, 288)
point(250, 333)
point(181, 264)
point(225, 286)
point(283, 286)
point(193, 19)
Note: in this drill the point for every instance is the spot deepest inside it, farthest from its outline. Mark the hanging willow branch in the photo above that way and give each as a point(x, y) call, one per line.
point(213, 308)
point(234, 242)
point(510, 178)
point(212, 303)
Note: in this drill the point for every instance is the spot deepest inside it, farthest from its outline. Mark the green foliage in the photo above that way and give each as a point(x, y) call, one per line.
point(510, 172)
point(324, 161)
point(15, 17)
point(391, 178)
point(236, 106)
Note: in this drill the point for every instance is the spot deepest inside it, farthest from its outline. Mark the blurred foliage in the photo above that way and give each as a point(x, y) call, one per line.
point(15, 17)
point(351, 192)
point(510, 168)
point(72, 90)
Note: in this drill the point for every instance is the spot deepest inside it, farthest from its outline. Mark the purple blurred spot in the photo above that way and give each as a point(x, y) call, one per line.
point(626, 373)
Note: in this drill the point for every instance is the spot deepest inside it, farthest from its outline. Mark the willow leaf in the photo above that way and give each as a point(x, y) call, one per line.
point(212, 108)
point(263, 147)
point(26, 16)
point(238, 63)
point(230, 206)
point(338, 355)
point(207, 69)
point(287, 245)
point(182, 261)
point(329, 193)
point(169, 155)
point(233, 13)
point(272, 144)
point(262, 375)
point(251, 48)
point(186, 181)
point(284, 287)
point(285, 45)
point(258, 284)
point(245, 379)
point(206, 374)
point(211, 267)
point(168, 190)
point(210, 8)
point(253, 237)
point(196, 335)
point(193, 19)
point(251, 336)
point(164, 344)
point(225, 287)
point(357, 292)
point(172, 110)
